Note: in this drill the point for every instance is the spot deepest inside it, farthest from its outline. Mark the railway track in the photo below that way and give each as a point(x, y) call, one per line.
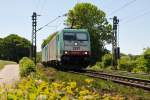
point(129, 81)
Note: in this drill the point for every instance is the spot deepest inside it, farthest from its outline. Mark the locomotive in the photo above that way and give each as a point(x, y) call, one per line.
point(68, 46)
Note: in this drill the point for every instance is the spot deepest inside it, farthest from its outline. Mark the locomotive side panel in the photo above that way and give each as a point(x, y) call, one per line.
point(60, 46)
point(52, 49)
point(45, 54)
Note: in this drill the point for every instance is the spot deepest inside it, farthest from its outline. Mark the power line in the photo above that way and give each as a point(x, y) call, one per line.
point(40, 5)
point(51, 22)
point(43, 6)
point(136, 17)
point(61, 23)
point(48, 23)
point(56, 26)
point(37, 5)
point(122, 7)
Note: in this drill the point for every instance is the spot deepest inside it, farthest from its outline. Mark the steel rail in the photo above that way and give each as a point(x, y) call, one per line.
point(129, 81)
point(119, 76)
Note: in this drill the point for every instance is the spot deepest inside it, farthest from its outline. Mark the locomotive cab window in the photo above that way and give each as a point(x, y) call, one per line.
point(75, 36)
point(69, 36)
point(81, 36)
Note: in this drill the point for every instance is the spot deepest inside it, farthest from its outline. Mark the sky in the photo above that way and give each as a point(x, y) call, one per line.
point(134, 25)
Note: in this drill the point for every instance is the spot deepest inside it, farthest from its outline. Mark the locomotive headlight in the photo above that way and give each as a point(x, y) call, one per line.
point(75, 44)
point(66, 52)
point(85, 53)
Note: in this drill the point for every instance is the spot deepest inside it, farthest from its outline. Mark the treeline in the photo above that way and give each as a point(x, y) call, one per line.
point(130, 63)
point(14, 47)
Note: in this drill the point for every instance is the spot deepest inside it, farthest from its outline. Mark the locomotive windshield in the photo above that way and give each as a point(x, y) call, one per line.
point(75, 36)
point(81, 36)
point(69, 36)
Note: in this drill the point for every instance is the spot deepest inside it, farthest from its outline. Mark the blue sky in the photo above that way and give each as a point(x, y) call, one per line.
point(134, 31)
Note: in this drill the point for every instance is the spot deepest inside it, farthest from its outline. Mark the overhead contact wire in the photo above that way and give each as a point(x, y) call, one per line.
point(122, 7)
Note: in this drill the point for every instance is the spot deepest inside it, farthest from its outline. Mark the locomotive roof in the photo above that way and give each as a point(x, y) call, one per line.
point(75, 30)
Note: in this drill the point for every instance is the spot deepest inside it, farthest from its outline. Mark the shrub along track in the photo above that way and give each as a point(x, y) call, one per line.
point(130, 81)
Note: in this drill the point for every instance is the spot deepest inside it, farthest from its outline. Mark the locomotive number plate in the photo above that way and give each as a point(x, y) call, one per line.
point(76, 48)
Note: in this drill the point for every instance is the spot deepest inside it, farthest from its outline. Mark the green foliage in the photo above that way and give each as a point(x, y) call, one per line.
point(1, 47)
point(147, 59)
point(14, 47)
point(88, 16)
point(105, 62)
point(39, 57)
point(126, 63)
point(107, 59)
point(26, 66)
point(31, 89)
point(99, 85)
point(46, 41)
point(147, 54)
point(143, 62)
point(98, 66)
point(139, 70)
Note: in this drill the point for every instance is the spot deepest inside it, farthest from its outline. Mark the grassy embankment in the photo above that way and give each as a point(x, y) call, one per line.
point(51, 74)
point(3, 63)
point(124, 73)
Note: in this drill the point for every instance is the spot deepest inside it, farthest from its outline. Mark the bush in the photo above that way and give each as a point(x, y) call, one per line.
point(26, 66)
point(107, 59)
point(31, 89)
point(141, 65)
point(126, 63)
point(39, 57)
point(140, 70)
point(105, 63)
point(98, 66)
point(147, 59)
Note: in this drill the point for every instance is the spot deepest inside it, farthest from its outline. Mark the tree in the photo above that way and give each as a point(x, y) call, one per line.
point(88, 16)
point(147, 58)
point(1, 47)
point(15, 47)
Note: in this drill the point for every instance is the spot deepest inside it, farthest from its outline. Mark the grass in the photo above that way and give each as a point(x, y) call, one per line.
point(51, 74)
point(3, 63)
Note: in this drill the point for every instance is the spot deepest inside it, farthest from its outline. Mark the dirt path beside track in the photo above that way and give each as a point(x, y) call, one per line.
point(9, 74)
